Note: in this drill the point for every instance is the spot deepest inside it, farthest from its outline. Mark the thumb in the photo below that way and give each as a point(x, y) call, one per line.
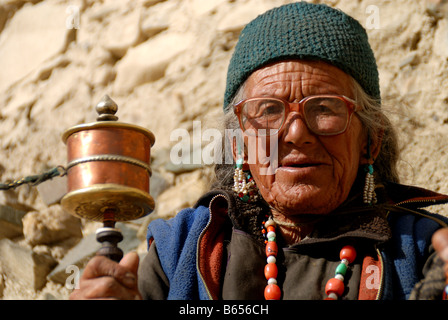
point(440, 243)
point(130, 261)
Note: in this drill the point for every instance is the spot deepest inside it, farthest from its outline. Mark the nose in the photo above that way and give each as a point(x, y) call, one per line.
point(296, 131)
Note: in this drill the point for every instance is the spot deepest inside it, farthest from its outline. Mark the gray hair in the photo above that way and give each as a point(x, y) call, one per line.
point(379, 127)
point(376, 125)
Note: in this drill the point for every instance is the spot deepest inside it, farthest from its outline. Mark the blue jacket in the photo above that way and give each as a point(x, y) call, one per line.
point(189, 245)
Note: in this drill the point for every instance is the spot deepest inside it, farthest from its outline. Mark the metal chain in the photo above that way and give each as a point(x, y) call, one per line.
point(35, 179)
point(61, 171)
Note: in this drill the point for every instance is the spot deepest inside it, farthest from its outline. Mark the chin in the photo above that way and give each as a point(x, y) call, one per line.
point(304, 200)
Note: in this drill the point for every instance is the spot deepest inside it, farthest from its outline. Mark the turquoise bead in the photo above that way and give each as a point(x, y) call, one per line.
point(239, 163)
point(369, 169)
point(341, 269)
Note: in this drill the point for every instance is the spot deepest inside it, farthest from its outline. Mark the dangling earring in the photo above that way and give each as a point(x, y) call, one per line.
point(369, 195)
point(243, 183)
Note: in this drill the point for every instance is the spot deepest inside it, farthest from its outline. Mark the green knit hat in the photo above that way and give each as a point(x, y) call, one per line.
point(303, 31)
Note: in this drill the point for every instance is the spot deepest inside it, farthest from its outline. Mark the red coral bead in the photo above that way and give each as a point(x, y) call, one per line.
point(271, 249)
point(336, 286)
point(271, 228)
point(270, 271)
point(272, 292)
point(349, 253)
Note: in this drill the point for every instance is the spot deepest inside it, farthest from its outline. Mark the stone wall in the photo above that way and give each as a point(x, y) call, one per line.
point(164, 64)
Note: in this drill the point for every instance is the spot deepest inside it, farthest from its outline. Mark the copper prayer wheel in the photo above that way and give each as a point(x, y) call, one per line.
point(108, 170)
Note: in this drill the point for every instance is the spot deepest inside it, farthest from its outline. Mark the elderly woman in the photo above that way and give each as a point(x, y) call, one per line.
point(325, 218)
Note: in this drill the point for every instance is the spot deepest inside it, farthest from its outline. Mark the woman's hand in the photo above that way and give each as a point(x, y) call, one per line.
point(106, 279)
point(440, 243)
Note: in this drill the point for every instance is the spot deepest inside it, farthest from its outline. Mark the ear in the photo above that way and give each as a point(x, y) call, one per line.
point(376, 143)
point(371, 147)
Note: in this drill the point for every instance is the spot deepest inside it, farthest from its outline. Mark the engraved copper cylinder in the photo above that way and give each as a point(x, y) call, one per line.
point(90, 148)
point(108, 171)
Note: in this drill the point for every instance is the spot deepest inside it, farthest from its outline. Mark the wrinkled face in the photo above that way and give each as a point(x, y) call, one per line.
point(315, 173)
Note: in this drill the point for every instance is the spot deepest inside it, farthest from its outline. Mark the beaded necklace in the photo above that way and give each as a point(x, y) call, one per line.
point(333, 289)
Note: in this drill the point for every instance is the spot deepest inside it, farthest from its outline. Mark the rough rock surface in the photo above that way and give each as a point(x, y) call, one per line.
point(164, 63)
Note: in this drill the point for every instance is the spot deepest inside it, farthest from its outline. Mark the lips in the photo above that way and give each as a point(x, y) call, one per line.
point(300, 163)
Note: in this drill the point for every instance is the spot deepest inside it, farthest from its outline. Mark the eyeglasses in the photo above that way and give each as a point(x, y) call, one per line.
point(324, 115)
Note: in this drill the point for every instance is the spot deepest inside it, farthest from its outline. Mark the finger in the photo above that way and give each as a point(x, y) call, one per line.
point(440, 243)
point(130, 261)
point(104, 288)
point(127, 271)
point(100, 266)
